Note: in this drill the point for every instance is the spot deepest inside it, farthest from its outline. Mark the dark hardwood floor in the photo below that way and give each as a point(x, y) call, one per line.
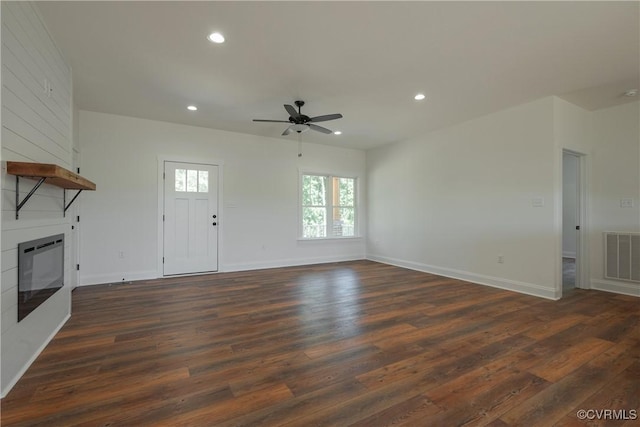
point(357, 343)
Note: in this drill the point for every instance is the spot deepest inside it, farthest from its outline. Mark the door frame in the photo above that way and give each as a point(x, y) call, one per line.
point(74, 212)
point(160, 243)
point(582, 244)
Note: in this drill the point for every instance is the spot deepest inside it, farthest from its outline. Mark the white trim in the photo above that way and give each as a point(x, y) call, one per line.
point(325, 239)
point(336, 173)
point(623, 288)
point(101, 279)
point(357, 202)
point(568, 254)
point(182, 159)
point(291, 262)
point(74, 232)
point(582, 257)
point(495, 282)
point(33, 358)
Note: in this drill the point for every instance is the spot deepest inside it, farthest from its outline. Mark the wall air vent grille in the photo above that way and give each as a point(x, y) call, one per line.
point(622, 256)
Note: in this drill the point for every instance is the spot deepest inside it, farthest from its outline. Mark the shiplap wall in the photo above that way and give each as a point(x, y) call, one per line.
point(36, 127)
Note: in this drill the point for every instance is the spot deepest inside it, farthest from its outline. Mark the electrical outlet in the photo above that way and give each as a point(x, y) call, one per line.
point(500, 259)
point(626, 203)
point(537, 202)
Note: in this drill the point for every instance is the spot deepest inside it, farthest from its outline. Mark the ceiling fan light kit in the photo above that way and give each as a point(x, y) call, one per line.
point(302, 123)
point(299, 128)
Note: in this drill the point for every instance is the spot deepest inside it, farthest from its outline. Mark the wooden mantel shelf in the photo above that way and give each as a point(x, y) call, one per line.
point(51, 174)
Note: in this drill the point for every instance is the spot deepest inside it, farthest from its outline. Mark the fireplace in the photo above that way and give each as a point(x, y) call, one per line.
point(40, 272)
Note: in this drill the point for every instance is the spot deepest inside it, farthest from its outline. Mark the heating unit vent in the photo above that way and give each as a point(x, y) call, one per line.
point(622, 256)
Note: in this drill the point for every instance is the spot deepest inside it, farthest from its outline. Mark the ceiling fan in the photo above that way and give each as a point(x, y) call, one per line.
point(301, 123)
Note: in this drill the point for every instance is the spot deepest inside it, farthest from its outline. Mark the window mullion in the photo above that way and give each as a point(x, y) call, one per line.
point(329, 207)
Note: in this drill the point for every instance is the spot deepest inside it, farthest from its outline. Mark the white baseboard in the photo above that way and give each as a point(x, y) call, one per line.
point(290, 262)
point(495, 282)
point(33, 358)
point(101, 279)
point(624, 288)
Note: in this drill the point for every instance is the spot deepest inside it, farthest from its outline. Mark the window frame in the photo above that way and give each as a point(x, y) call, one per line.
point(329, 205)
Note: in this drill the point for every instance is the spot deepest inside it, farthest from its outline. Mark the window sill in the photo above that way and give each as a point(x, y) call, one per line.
point(327, 239)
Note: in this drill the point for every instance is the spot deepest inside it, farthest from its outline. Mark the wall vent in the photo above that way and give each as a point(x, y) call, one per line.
point(622, 256)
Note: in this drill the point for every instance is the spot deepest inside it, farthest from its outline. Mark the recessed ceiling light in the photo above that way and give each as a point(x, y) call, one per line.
point(216, 38)
point(192, 108)
point(338, 132)
point(419, 97)
point(631, 92)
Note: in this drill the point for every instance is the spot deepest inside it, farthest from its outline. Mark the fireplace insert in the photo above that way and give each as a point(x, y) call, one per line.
point(40, 272)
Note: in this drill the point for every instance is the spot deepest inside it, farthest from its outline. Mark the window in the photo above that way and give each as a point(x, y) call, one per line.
point(192, 181)
point(328, 206)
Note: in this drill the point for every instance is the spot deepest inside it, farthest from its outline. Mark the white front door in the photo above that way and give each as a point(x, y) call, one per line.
point(190, 218)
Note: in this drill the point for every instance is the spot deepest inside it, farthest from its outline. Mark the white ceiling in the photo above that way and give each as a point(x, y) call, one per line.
point(365, 60)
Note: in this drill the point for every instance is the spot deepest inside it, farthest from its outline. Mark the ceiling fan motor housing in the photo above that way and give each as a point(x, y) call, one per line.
point(301, 119)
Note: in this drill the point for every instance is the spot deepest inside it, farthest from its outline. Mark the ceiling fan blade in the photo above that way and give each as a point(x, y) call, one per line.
point(325, 118)
point(292, 111)
point(287, 131)
point(271, 121)
point(319, 128)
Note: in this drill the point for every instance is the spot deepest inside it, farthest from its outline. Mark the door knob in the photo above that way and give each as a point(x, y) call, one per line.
point(215, 216)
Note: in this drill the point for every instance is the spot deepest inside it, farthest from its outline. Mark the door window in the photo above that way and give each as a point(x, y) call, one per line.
point(192, 181)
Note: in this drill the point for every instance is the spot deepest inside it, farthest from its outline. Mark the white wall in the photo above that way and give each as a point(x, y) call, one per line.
point(569, 204)
point(450, 202)
point(259, 216)
point(612, 145)
point(35, 128)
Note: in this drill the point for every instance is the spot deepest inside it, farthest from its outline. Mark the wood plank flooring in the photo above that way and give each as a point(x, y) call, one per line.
point(357, 343)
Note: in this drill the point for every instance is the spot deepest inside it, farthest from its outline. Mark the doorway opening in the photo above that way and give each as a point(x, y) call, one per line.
point(571, 220)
